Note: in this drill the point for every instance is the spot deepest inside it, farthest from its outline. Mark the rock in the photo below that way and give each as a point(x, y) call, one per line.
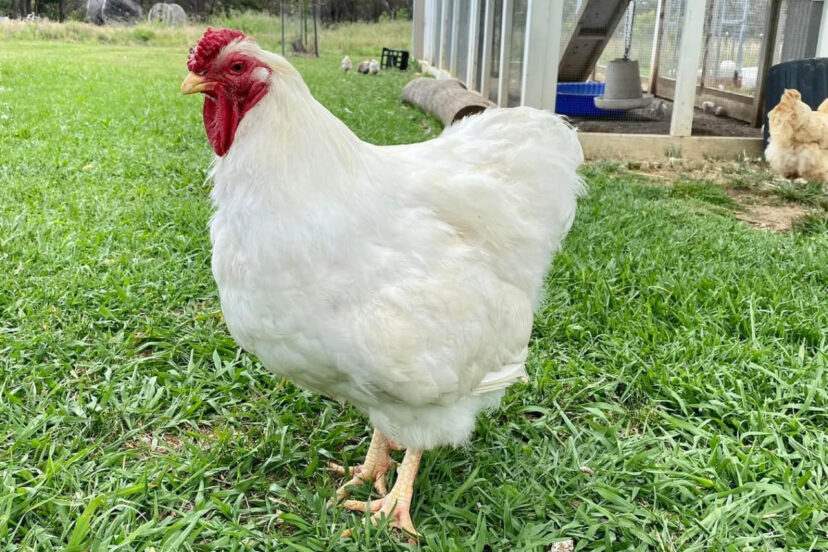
point(113, 12)
point(94, 11)
point(563, 546)
point(167, 14)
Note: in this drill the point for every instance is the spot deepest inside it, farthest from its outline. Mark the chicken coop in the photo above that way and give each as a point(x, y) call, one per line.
point(635, 76)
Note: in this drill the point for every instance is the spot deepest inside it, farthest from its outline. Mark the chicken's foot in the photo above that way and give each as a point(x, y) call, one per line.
point(396, 505)
point(376, 465)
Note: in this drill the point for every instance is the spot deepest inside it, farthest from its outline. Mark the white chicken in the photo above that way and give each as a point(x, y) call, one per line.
point(373, 67)
point(401, 279)
point(346, 64)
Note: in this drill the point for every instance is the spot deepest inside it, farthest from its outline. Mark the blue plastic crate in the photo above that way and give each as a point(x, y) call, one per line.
point(577, 98)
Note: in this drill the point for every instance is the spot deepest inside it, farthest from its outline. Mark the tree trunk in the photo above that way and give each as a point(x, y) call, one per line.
point(447, 99)
point(315, 32)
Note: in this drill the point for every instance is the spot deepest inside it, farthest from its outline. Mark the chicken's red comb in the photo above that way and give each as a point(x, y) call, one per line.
point(206, 49)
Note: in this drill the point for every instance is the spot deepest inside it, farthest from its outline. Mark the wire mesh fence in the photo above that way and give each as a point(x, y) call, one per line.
point(648, 32)
point(728, 79)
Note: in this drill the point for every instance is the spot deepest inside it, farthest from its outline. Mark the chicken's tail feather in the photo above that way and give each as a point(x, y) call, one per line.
point(503, 378)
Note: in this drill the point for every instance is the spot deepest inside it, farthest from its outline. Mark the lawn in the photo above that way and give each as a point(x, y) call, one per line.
point(679, 392)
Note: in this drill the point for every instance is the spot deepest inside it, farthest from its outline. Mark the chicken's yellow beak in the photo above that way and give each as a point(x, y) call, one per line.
point(194, 83)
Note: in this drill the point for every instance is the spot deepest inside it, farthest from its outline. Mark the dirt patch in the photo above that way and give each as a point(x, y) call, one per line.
point(765, 200)
point(778, 218)
point(151, 444)
point(164, 443)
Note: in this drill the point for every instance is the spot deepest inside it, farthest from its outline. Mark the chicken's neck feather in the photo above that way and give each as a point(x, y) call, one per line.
point(289, 148)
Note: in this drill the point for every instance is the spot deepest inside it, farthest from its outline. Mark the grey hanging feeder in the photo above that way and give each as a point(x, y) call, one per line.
point(623, 87)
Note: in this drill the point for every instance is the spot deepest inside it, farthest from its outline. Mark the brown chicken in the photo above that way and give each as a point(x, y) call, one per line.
point(798, 145)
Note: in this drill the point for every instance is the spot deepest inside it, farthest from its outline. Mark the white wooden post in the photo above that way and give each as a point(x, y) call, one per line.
point(455, 32)
point(474, 40)
point(486, 62)
point(432, 48)
point(544, 19)
point(418, 29)
point(444, 21)
point(692, 31)
point(505, 54)
point(822, 42)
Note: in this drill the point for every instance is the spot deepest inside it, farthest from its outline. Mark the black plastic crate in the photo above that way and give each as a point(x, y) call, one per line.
point(394, 58)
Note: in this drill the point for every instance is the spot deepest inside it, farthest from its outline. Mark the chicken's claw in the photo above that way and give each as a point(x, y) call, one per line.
point(395, 506)
point(377, 464)
point(358, 476)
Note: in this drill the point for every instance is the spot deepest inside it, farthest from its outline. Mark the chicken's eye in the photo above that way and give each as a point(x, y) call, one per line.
point(237, 67)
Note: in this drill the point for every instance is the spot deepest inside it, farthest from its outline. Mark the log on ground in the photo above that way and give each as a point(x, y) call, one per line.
point(448, 99)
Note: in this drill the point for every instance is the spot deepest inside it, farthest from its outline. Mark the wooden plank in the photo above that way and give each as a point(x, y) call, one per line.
point(505, 54)
point(472, 64)
point(418, 29)
point(445, 15)
point(822, 43)
point(765, 59)
point(681, 123)
point(712, 7)
point(737, 106)
point(658, 38)
point(657, 147)
point(594, 26)
point(435, 14)
point(541, 53)
point(486, 61)
point(455, 37)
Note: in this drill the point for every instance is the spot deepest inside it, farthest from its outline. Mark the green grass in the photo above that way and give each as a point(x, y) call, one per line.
point(703, 191)
point(680, 357)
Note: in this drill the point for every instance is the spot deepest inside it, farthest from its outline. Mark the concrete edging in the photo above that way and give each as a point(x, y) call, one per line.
point(657, 147)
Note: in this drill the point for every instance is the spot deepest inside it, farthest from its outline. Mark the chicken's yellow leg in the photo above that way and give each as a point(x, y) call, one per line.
point(396, 504)
point(377, 463)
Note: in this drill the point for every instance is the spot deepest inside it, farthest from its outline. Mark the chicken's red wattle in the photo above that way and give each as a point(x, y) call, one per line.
point(222, 114)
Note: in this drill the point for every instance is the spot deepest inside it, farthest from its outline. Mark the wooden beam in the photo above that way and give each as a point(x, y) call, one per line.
point(474, 41)
point(486, 61)
point(658, 36)
point(418, 29)
point(505, 54)
point(544, 19)
point(455, 37)
point(436, 23)
point(692, 31)
point(822, 43)
point(766, 59)
point(442, 61)
point(712, 7)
